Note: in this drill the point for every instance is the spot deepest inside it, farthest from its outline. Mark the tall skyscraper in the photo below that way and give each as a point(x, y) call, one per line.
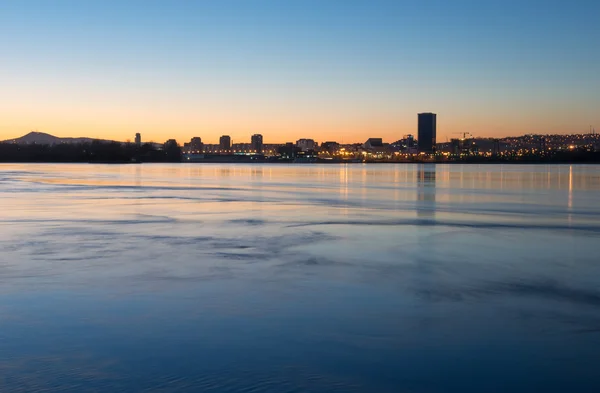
point(427, 132)
point(138, 139)
point(257, 143)
point(225, 143)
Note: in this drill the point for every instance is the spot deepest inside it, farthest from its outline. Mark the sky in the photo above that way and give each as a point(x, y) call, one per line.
point(340, 70)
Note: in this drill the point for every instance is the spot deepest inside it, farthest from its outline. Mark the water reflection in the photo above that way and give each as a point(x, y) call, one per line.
point(317, 278)
point(343, 187)
point(426, 190)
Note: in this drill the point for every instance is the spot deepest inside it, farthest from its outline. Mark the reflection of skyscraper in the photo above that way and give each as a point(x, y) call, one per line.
point(427, 132)
point(257, 143)
point(426, 188)
point(225, 143)
point(427, 242)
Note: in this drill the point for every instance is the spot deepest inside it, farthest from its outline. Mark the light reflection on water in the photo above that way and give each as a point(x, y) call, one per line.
point(293, 278)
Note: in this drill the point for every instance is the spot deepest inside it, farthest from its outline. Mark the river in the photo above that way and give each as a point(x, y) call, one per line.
point(299, 278)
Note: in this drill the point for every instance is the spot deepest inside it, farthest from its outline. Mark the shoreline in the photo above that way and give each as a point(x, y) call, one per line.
point(316, 163)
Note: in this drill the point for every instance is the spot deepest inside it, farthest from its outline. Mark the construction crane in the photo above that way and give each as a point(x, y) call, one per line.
point(464, 134)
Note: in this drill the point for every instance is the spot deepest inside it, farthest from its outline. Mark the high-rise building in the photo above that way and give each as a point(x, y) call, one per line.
point(225, 143)
point(455, 146)
point(306, 144)
point(373, 143)
point(138, 139)
point(427, 132)
point(196, 145)
point(257, 143)
point(288, 151)
point(495, 147)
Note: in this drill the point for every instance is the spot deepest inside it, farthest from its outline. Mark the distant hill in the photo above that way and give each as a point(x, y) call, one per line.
point(41, 138)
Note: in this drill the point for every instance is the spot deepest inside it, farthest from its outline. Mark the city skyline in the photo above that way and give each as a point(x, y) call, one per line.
point(226, 140)
point(343, 71)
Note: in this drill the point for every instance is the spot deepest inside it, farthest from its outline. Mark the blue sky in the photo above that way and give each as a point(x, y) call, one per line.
point(291, 69)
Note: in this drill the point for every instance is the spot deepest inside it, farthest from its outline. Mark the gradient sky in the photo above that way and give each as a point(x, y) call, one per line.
point(324, 69)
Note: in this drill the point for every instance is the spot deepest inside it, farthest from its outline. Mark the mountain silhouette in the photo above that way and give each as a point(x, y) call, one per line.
point(41, 138)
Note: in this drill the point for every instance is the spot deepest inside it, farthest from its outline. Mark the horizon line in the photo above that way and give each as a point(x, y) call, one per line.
point(591, 132)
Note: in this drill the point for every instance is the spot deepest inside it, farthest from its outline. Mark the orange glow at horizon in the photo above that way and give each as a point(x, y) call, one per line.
point(115, 113)
point(326, 71)
point(351, 130)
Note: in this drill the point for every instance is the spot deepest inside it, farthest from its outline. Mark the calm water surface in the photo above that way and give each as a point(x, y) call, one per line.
point(277, 278)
